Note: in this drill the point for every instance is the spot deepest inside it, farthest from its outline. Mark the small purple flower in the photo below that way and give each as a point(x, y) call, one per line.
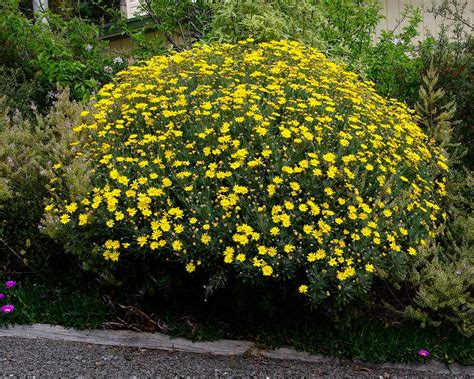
point(8, 308)
point(2, 296)
point(89, 47)
point(52, 95)
point(424, 353)
point(10, 284)
point(108, 69)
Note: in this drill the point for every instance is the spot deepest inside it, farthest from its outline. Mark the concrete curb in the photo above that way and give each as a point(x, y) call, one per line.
point(160, 341)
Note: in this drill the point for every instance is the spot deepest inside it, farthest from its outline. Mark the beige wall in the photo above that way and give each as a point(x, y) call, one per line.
point(392, 10)
point(122, 44)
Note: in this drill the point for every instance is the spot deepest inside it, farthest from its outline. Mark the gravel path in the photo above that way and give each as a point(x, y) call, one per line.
point(42, 357)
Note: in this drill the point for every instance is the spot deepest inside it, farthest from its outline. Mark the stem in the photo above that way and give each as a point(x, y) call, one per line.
point(13, 251)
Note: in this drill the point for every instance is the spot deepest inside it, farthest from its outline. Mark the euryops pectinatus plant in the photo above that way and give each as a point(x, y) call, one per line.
point(264, 161)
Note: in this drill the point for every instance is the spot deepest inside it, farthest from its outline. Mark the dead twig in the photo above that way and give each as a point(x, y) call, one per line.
point(162, 327)
point(129, 326)
point(14, 252)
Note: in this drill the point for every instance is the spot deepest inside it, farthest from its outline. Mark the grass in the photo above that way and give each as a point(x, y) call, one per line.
point(372, 341)
point(367, 340)
point(57, 303)
point(84, 306)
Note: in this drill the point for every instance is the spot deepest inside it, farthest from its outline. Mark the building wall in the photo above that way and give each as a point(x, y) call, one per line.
point(121, 44)
point(130, 8)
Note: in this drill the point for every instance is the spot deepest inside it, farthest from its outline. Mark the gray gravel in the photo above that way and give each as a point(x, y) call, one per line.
point(41, 357)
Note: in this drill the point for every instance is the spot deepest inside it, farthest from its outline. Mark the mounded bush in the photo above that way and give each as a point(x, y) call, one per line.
point(262, 162)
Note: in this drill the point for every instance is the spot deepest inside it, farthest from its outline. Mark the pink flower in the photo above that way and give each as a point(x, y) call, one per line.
point(7, 308)
point(2, 296)
point(424, 353)
point(10, 284)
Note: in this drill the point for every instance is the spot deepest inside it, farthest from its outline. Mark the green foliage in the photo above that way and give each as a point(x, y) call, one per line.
point(436, 122)
point(347, 28)
point(182, 22)
point(366, 338)
point(81, 303)
point(280, 321)
point(94, 10)
point(56, 300)
point(452, 54)
point(38, 56)
point(445, 283)
point(442, 277)
point(341, 28)
point(233, 21)
point(27, 151)
point(392, 62)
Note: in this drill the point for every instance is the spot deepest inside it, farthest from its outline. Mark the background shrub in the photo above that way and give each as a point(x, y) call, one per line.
point(453, 60)
point(28, 149)
point(441, 279)
point(36, 57)
point(343, 29)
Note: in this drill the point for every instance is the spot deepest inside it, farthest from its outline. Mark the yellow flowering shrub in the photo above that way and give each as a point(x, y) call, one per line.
point(264, 161)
